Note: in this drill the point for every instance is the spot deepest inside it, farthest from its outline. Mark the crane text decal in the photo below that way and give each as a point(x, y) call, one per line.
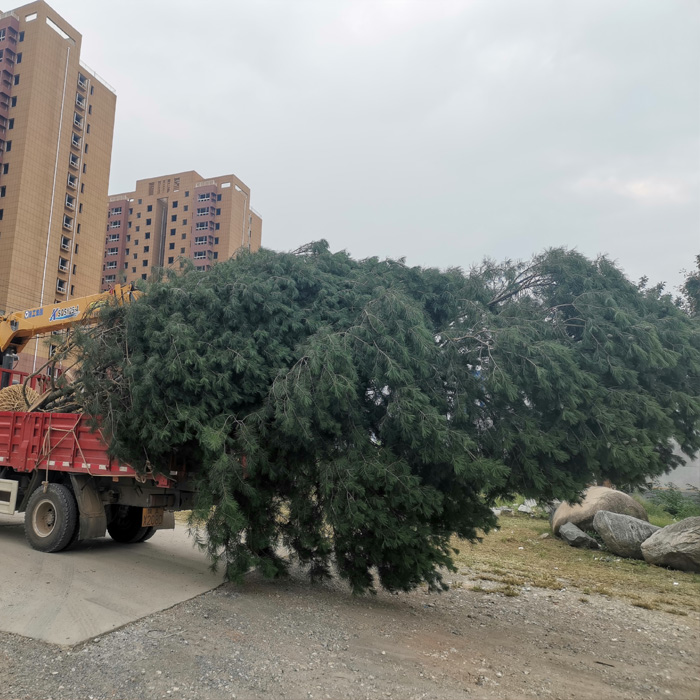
point(63, 314)
point(33, 313)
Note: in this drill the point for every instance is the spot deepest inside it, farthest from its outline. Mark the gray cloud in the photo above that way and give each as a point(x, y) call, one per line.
point(441, 131)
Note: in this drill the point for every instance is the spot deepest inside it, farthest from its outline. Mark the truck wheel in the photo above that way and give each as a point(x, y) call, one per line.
point(150, 531)
point(126, 526)
point(51, 518)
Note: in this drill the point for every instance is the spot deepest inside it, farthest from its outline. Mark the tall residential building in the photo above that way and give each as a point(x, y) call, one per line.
point(56, 127)
point(176, 216)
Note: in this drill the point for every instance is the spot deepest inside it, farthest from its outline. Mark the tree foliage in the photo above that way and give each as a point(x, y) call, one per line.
point(361, 413)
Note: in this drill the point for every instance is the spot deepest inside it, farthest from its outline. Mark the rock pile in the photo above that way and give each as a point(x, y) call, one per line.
point(624, 533)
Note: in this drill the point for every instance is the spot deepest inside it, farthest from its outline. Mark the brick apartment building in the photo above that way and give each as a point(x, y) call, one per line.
point(176, 216)
point(56, 128)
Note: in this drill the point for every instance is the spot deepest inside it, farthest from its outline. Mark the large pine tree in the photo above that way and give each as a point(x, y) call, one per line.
point(361, 413)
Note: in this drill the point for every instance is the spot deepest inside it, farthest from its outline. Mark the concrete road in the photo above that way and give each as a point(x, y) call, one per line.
point(68, 597)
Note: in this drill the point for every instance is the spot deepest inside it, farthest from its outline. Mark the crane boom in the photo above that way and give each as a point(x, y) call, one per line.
point(18, 328)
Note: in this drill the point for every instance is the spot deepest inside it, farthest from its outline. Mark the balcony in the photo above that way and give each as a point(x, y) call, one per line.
point(75, 141)
point(62, 265)
point(70, 201)
point(82, 81)
point(67, 223)
point(74, 162)
point(77, 121)
point(80, 101)
point(65, 243)
point(73, 181)
point(61, 286)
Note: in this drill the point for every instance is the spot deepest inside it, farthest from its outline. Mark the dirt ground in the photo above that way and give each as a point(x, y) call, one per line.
point(291, 639)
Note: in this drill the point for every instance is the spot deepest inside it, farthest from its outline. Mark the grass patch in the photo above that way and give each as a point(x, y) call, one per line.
point(551, 563)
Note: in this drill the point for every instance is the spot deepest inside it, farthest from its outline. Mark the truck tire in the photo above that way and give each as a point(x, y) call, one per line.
point(125, 526)
point(51, 518)
point(150, 531)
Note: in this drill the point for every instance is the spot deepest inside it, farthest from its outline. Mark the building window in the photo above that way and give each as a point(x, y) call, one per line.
point(146, 248)
point(110, 278)
point(171, 246)
point(187, 194)
point(184, 222)
point(172, 231)
point(186, 208)
point(170, 261)
point(86, 148)
point(216, 228)
point(19, 58)
point(218, 197)
point(149, 207)
point(3, 190)
point(216, 256)
point(16, 81)
point(203, 198)
point(145, 263)
point(14, 101)
point(88, 126)
point(202, 211)
point(202, 226)
point(11, 124)
point(144, 276)
point(148, 222)
point(173, 218)
point(116, 211)
point(216, 241)
point(115, 224)
point(218, 211)
point(182, 251)
point(112, 251)
point(111, 265)
point(175, 204)
point(184, 236)
point(8, 146)
point(200, 255)
point(201, 240)
point(21, 36)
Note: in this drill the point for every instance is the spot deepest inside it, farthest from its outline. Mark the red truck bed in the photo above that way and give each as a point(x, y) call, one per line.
point(59, 442)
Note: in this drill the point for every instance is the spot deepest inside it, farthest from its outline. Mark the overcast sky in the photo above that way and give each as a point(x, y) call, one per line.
point(439, 130)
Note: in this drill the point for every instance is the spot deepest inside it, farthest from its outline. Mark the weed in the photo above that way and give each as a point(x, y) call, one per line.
point(552, 564)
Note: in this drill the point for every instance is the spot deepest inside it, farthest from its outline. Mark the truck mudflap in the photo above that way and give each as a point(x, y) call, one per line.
point(93, 519)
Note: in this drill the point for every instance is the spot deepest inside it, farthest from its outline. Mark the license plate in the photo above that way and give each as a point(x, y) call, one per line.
point(152, 517)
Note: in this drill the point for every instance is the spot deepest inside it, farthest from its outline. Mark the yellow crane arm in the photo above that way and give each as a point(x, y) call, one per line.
point(18, 328)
